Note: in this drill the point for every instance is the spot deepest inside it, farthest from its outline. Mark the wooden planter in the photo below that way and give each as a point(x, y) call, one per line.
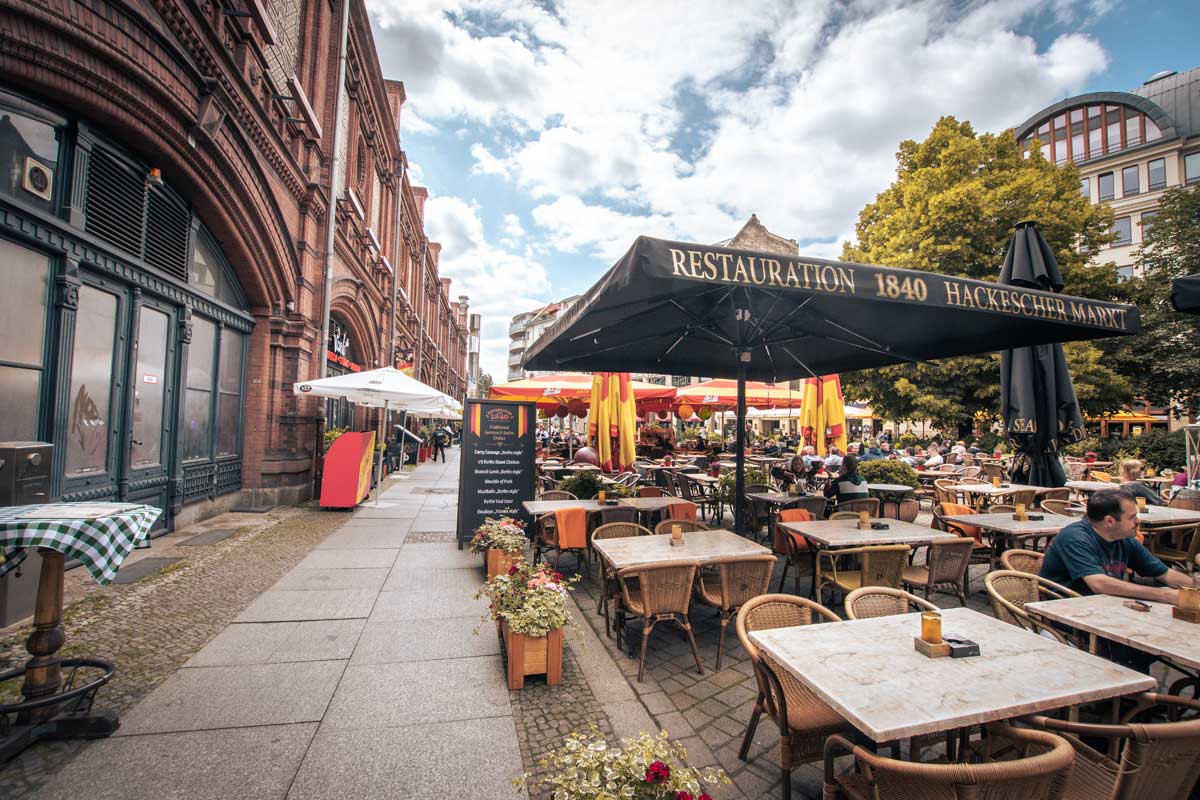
point(908, 511)
point(533, 656)
point(498, 561)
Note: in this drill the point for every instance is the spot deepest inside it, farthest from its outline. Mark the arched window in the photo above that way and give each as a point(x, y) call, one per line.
point(1090, 131)
point(210, 273)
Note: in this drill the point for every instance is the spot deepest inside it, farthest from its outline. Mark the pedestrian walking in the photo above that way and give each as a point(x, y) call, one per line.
point(439, 445)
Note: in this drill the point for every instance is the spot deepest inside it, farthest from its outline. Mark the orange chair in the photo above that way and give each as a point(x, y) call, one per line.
point(982, 552)
point(649, 491)
point(792, 545)
point(682, 511)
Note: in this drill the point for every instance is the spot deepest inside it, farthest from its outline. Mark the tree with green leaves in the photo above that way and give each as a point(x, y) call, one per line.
point(951, 210)
point(1164, 360)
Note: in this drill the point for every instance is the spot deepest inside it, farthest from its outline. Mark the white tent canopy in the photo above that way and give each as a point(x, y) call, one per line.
point(382, 387)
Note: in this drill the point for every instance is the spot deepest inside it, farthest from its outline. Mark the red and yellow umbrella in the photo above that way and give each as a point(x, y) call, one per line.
point(823, 413)
point(722, 393)
point(612, 427)
point(551, 391)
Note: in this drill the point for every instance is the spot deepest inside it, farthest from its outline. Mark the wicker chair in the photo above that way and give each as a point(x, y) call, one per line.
point(685, 526)
point(793, 547)
point(1041, 776)
point(737, 580)
point(844, 515)
point(661, 591)
point(1009, 591)
point(557, 494)
point(881, 601)
point(981, 553)
point(804, 720)
point(944, 491)
point(945, 567)
point(991, 471)
point(757, 512)
point(1158, 761)
point(1182, 557)
point(1186, 498)
point(608, 578)
point(1061, 493)
point(1067, 508)
point(868, 504)
point(880, 566)
point(649, 491)
point(973, 471)
point(1027, 561)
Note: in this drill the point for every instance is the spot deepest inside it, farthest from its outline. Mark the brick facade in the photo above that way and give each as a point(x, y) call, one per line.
point(193, 87)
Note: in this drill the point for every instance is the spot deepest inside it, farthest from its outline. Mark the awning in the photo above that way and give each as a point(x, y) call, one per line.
point(378, 387)
point(551, 391)
point(723, 393)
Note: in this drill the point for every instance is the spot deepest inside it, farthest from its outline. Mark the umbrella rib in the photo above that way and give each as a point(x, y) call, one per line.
point(783, 322)
point(795, 358)
point(758, 329)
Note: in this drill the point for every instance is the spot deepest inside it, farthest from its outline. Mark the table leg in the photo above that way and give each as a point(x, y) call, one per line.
point(42, 676)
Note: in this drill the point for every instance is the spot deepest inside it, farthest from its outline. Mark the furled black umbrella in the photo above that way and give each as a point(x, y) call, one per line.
point(691, 309)
point(1185, 294)
point(1037, 400)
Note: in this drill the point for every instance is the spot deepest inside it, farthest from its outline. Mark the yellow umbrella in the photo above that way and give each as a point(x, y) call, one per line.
point(626, 422)
point(823, 413)
point(598, 420)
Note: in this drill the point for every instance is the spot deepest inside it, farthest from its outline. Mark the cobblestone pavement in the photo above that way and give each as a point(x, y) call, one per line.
point(151, 627)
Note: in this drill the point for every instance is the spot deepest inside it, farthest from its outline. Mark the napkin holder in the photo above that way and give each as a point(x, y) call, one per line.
point(1186, 614)
point(880, 526)
point(961, 648)
point(611, 502)
point(939, 650)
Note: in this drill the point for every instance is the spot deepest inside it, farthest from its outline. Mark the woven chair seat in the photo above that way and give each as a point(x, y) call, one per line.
point(917, 574)
point(811, 720)
point(704, 594)
point(847, 580)
point(1091, 779)
point(855, 786)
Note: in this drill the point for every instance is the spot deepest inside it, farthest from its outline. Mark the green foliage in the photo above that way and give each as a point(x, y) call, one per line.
point(727, 484)
point(887, 471)
point(645, 768)
point(1159, 449)
point(907, 440)
point(951, 209)
point(531, 598)
point(1163, 361)
point(331, 434)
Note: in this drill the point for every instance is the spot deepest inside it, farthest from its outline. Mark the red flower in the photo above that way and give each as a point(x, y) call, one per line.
point(512, 570)
point(658, 772)
point(704, 797)
point(682, 795)
point(558, 576)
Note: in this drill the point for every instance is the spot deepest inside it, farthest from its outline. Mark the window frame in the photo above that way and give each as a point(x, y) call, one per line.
point(1128, 240)
point(1100, 185)
point(1194, 157)
point(1137, 177)
point(1150, 184)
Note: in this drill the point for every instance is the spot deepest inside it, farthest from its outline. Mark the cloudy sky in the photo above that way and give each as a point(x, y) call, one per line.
point(551, 134)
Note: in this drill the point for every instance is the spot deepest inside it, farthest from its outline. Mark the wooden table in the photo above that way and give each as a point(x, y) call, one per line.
point(831, 533)
point(701, 546)
point(1155, 632)
point(868, 671)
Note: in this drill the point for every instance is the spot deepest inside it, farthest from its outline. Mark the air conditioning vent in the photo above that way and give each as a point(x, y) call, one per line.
point(116, 201)
point(38, 179)
point(167, 226)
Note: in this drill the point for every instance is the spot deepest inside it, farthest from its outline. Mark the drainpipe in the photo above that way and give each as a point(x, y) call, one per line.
point(396, 260)
point(334, 162)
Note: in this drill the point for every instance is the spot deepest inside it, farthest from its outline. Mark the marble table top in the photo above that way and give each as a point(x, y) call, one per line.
point(868, 671)
point(845, 533)
point(548, 506)
point(889, 487)
point(700, 477)
point(989, 490)
point(1004, 522)
point(1092, 486)
point(774, 498)
point(702, 546)
point(1155, 632)
point(1164, 515)
point(651, 503)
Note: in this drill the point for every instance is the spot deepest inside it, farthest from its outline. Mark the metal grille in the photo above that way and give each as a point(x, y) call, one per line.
point(116, 202)
point(168, 223)
point(229, 476)
point(197, 482)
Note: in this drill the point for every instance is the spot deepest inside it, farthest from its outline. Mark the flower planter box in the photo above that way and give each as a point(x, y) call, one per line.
point(533, 656)
point(498, 561)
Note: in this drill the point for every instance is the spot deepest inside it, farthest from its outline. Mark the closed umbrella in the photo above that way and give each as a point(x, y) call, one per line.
point(1037, 399)
point(823, 415)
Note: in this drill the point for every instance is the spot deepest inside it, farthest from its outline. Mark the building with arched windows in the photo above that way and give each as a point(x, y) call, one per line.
point(1129, 147)
point(166, 194)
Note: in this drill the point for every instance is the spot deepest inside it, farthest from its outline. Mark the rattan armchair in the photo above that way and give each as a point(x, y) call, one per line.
point(1041, 776)
point(685, 526)
point(608, 578)
point(880, 565)
point(804, 719)
point(843, 515)
point(1158, 760)
point(945, 567)
point(944, 491)
point(992, 470)
point(1027, 561)
point(882, 601)
point(1009, 591)
point(1067, 508)
point(661, 591)
point(557, 494)
point(868, 504)
point(757, 512)
point(732, 581)
point(1182, 556)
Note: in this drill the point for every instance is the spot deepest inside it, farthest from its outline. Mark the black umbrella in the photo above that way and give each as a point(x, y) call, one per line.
point(690, 309)
point(1185, 294)
point(1037, 400)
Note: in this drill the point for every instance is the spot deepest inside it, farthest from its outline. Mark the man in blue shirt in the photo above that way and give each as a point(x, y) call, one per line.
point(1092, 555)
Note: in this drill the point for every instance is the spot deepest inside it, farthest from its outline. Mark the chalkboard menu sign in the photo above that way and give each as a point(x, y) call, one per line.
point(496, 464)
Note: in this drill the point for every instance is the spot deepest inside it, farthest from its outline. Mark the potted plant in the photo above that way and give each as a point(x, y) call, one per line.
point(898, 473)
point(502, 541)
point(529, 602)
point(649, 767)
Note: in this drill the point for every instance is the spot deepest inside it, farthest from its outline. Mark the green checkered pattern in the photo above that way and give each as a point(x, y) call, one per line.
point(101, 544)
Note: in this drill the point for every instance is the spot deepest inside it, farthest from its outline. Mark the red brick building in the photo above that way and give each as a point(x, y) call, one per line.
point(165, 195)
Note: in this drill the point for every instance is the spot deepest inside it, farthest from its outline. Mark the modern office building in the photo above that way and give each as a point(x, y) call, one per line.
point(1129, 147)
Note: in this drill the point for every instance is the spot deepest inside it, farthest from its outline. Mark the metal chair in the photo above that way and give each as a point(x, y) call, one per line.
point(737, 580)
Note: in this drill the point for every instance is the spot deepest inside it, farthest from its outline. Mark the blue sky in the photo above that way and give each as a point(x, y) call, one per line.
point(550, 134)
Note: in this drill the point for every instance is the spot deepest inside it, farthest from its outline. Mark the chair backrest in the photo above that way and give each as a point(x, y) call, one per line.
point(943, 490)
point(883, 565)
point(650, 491)
point(1067, 508)
point(813, 504)
point(956, 510)
point(844, 515)
point(972, 471)
point(1076, 470)
point(685, 525)
point(1159, 760)
point(1001, 508)
point(1186, 498)
point(883, 601)
point(1061, 493)
point(664, 587)
point(1042, 772)
point(868, 504)
point(1024, 497)
point(757, 487)
point(558, 494)
point(948, 561)
point(619, 530)
point(1009, 591)
point(684, 487)
point(1029, 561)
point(1100, 475)
point(973, 481)
point(740, 578)
point(993, 471)
point(668, 479)
point(615, 514)
point(770, 611)
point(779, 535)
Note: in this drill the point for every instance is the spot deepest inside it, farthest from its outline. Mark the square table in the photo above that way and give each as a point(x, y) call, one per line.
point(868, 671)
point(702, 546)
point(1003, 527)
point(845, 533)
point(1155, 632)
point(1088, 487)
point(1165, 515)
point(536, 507)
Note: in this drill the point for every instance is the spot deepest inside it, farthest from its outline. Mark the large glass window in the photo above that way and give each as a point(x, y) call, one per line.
point(198, 396)
point(229, 394)
point(1107, 189)
point(92, 369)
point(1123, 231)
point(1095, 132)
point(1085, 188)
point(1112, 120)
point(149, 387)
point(208, 273)
point(1130, 182)
point(1147, 222)
point(1191, 167)
point(24, 276)
point(28, 154)
point(1156, 171)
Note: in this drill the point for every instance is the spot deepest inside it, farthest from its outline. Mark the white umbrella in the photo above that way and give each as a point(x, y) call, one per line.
point(382, 388)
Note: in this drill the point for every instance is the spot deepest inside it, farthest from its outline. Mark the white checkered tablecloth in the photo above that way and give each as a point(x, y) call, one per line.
point(101, 543)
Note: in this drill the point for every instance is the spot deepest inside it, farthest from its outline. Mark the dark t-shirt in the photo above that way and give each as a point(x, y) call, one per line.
point(1078, 551)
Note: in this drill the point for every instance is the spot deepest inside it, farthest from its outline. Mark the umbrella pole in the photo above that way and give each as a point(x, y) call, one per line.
point(379, 457)
point(739, 492)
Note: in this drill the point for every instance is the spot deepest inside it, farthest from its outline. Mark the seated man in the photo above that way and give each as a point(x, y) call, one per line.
point(849, 484)
point(834, 460)
point(935, 457)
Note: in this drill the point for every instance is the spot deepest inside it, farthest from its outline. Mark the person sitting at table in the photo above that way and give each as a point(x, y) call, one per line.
point(1131, 476)
point(872, 453)
point(834, 460)
point(849, 484)
point(795, 471)
point(934, 458)
point(772, 449)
